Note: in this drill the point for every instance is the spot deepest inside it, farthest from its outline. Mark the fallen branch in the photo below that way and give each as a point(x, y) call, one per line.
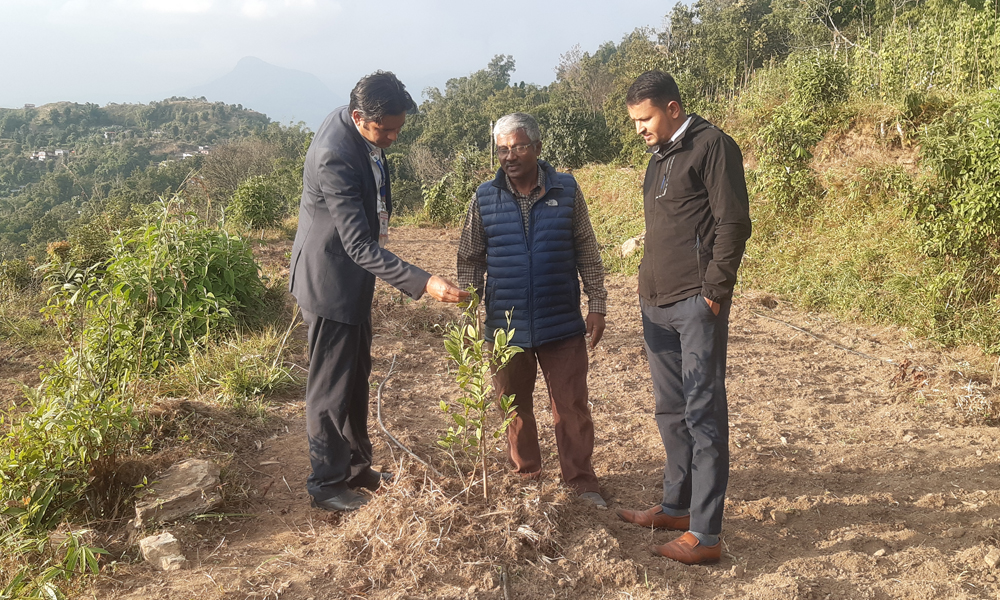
point(378, 405)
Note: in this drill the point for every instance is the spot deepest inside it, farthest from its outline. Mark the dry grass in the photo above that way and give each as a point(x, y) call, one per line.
point(394, 314)
point(418, 533)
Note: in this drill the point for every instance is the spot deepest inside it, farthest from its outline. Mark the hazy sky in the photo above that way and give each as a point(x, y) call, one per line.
point(142, 50)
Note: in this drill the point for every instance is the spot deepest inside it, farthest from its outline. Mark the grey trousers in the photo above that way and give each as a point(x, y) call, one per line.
point(686, 344)
point(337, 403)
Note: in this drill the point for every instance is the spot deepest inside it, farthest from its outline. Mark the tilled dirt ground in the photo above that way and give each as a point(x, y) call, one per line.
point(858, 471)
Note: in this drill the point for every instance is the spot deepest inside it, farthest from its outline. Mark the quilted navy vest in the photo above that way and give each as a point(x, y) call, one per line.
point(534, 276)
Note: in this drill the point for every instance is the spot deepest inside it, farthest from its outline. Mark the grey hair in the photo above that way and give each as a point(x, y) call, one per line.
point(509, 124)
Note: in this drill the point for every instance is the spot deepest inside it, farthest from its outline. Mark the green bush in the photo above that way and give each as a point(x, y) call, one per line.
point(258, 203)
point(171, 284)
point(17, 274)
point(959, 207)
point(446, 201)
point(571, 138)
point(818, 79)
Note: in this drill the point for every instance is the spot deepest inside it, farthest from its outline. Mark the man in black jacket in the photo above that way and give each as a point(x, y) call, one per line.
point(697, 224)
point(337, 254)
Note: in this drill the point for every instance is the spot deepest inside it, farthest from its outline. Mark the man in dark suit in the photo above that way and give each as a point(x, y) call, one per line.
point(338, 252)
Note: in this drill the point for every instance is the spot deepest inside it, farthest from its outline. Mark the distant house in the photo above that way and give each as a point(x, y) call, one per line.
point(39, 155)
point(108, 135)
point(60, 153)
point(186, 155)
point(203, 149)
point(29, 106)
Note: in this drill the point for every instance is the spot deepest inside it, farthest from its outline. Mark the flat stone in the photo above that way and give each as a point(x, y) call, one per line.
point(880, 552)
point(780, 517)
point(955, 532)
point(163, 551)
point(190, 487)
point(993, 558)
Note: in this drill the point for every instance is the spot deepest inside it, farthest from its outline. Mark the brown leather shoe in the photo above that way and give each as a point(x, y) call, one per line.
point(688, 550)
point(655, 518)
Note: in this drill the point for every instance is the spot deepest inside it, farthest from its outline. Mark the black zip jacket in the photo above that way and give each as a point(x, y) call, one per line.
point(697, 217)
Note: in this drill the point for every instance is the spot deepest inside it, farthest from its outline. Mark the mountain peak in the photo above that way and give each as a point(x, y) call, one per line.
point(284, 95)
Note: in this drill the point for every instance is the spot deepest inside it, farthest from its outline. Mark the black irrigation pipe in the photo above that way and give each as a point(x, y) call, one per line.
point(824, 340)
point(378, 404)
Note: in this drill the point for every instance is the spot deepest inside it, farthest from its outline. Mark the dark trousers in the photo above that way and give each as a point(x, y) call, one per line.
point(686, 345)
point(337, 403)
point(564, 365)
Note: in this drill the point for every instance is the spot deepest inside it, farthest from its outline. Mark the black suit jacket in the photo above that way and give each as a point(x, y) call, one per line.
point(336, 256)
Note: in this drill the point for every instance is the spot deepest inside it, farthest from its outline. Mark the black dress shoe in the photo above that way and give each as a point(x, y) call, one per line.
point(344, 501)
point(370, 480)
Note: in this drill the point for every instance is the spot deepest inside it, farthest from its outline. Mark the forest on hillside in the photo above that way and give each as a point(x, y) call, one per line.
point(98, 161)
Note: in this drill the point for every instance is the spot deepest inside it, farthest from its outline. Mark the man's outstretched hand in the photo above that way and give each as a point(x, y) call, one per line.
point(443, 290)
point(595, 328)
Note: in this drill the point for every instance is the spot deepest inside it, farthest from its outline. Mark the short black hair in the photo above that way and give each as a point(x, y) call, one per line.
point(655, 86)
point(380, 94)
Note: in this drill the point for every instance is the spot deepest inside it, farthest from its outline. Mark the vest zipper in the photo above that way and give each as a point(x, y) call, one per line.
point(531, 293)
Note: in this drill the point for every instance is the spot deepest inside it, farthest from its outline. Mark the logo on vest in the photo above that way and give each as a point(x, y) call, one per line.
point(552, 202)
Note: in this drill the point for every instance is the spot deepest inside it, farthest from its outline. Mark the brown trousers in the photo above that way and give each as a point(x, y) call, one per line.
point(564, 365)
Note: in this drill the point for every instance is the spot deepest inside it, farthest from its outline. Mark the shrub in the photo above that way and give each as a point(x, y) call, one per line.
point(959, 207)
point(172, 283)
point(17, 274)
point(446, 201)
point(258, 203)
point(818, 79)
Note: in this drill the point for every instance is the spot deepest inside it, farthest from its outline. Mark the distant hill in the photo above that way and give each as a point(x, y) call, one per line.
point(62, 161)
point(284, 95)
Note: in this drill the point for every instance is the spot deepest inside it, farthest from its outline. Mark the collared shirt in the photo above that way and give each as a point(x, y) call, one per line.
point(377, 156)
point(472, 245)
point(680, 130)
point(676, 136)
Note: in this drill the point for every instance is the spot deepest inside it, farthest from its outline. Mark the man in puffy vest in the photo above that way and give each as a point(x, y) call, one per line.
point(697, 225)
point(529, 233)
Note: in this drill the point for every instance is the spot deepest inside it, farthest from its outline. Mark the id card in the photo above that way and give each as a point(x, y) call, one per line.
point(383, 228)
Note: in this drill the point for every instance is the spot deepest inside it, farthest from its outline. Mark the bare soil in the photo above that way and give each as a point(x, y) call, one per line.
point(860, 469)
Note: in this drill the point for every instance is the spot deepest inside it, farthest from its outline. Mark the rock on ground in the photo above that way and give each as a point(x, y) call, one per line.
point(163, 551)
point(189, 487)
